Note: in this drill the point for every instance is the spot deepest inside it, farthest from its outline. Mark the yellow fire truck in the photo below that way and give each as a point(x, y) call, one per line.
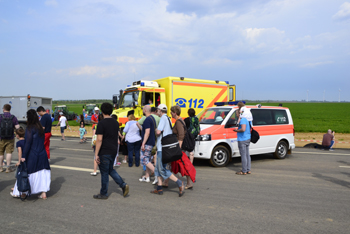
point(184, 92)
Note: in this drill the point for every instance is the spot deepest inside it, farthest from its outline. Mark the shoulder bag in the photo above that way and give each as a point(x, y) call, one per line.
point(171, 150)
point(254, 135)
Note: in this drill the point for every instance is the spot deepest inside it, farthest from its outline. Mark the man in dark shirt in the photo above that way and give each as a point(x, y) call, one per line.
point(106, 150)
point(7, 143)
point(46, 122)
point(148, 141)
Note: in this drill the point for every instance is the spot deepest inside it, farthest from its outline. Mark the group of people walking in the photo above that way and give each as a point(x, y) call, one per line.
point(143, 138)
point(33, 148)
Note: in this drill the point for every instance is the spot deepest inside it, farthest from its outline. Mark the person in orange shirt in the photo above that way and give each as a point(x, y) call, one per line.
point(94, 117)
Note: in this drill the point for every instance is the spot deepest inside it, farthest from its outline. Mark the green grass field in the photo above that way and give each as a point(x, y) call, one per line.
point(307, 117)
point(318, 117)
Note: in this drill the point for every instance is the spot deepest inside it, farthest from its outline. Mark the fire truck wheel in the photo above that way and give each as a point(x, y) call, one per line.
point(281, 150)
point(219, 157)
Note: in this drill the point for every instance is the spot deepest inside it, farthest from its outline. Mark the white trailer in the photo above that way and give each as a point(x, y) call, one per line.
point(21, 104)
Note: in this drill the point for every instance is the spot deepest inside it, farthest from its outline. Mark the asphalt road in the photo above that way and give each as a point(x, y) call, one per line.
point(308, 192)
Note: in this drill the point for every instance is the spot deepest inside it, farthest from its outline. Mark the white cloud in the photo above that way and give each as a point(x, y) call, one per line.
point(126, 59)
point(51, 3)
point(344, 12)
point(312, 65)
point(255, 35)
point(221, 62)
point(101, 72)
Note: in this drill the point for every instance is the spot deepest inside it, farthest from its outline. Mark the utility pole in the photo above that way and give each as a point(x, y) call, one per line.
point(307, 96)
point(324, 93)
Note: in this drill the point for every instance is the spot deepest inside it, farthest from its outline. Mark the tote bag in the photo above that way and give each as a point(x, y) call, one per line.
point(171, 150)
point(23, 179)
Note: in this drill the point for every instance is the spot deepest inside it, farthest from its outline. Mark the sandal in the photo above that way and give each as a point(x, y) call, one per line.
point(241, 173)
point(41, 197)
point(189, 187)
point(181, 190)
point(249, 172)
point(15, 196)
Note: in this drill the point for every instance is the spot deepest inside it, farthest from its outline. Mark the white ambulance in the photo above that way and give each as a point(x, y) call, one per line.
point(218, 142)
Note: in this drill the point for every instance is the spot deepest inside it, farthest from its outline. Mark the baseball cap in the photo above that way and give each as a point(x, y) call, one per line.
point(96, 108)
point(61, 113)
point(162, 107)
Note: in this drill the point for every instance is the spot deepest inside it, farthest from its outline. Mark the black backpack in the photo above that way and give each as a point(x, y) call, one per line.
point(188, 143)
point(6, 127)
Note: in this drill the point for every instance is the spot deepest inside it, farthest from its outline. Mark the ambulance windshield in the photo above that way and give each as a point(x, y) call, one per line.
point(129, 98)
point(213, 115)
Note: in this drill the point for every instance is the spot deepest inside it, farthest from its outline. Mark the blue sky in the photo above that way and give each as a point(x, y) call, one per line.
point(271, 49)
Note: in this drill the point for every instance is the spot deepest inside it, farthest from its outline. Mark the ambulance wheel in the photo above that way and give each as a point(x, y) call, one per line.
point(281, 150)
point(220, 156)
point(23, 125)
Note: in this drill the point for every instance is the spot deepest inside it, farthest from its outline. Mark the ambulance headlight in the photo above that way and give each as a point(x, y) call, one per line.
point(206, 137)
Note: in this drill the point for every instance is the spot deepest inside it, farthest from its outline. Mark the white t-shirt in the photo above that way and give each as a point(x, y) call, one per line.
point(132, 132)
point(163, 126)
point(63, 120)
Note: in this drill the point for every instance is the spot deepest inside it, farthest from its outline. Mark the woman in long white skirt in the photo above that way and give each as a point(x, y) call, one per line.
point(35, 156)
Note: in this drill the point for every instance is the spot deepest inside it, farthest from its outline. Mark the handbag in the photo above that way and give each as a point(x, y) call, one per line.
point(23, 180)
point(171, 150)
point(254, 135)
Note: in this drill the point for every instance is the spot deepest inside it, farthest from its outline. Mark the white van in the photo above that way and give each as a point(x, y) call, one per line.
point(218, 142)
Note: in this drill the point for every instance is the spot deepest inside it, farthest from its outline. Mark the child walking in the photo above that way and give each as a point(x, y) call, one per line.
point(82, 132)
point(19, 145)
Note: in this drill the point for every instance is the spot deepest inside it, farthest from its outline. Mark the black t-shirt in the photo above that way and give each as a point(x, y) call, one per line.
point(109, 129)
point(46, 122)
point(149, 123)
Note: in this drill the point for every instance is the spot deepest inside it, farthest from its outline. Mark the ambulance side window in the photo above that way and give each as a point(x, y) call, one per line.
point(233, 116)
point(280, 116)
point(147, 98)
point(262, 117)
point(157, 99)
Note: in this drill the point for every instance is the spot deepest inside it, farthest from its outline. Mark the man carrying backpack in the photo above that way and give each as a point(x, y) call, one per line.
point(8, 123)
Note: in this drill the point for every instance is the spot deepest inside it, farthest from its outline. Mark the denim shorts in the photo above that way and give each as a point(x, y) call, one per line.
point(62, 129)
point(146, 155)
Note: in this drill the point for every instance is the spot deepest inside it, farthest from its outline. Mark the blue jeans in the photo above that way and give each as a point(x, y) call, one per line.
point(161, 168)
point(106, 168)
point(243, 147)
point(328, 147)
point(134, 147)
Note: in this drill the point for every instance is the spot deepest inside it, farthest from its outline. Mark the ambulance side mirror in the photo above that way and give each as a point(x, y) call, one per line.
point(231, 123)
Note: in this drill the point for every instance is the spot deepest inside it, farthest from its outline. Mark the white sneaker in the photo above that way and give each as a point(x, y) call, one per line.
point(144, 179)
point(155, 180)
point(124, 161)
